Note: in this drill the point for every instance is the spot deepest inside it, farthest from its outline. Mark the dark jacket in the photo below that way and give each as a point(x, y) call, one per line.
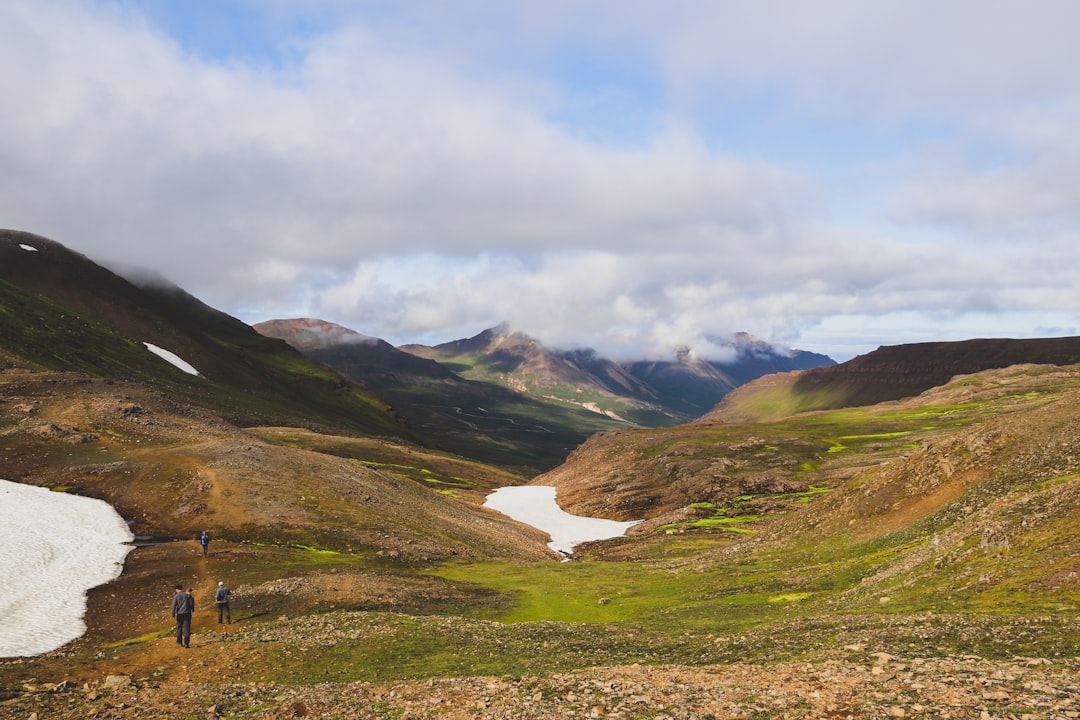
point(183, 603)
point(222, 595)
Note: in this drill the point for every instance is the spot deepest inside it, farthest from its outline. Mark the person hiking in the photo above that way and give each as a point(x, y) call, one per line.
point(205, 542)
point(222, 598)
point(183, 605)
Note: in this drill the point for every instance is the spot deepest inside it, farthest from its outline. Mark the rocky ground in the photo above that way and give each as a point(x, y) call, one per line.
point(882, 686)
point(225, 674)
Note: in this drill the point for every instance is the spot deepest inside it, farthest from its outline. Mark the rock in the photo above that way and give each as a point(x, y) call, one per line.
point(116, 682)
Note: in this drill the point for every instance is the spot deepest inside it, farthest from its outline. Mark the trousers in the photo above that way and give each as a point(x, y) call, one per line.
point(183, 629)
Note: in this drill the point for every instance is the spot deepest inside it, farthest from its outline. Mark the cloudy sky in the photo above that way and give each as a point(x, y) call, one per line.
point(832, 175)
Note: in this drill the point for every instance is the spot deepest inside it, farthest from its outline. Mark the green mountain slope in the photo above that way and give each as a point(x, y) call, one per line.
point(888, 373)
point(964, 497)
point(61, 311)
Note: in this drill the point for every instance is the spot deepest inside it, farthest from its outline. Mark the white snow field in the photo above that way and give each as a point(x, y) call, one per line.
point(171, 358)
point(53, 548)
point(535, 505)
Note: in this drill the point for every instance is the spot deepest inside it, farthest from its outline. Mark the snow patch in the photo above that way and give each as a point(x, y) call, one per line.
point(171, 358)
point(535, 505)
point(53, 548)
point(28, 248)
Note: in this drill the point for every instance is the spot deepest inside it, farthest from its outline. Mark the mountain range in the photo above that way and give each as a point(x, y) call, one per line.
point(502, 396)
point(892, 536)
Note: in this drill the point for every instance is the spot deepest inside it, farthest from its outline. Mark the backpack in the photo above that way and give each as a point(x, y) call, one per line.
point(205, 539)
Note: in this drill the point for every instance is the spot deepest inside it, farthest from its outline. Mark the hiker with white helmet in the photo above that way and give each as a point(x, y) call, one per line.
point(222, 598)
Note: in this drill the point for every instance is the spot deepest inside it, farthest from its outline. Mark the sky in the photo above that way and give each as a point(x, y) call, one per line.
point(53, 548)
point(617, 174)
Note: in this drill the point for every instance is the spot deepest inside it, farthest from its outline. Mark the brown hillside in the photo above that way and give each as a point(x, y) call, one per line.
point(977, 435)
point(174, 470)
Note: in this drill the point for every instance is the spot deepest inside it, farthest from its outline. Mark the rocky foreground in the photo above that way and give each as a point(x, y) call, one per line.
point(881, 687)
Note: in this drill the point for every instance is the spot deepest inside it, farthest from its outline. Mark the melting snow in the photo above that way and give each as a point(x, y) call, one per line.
point(171, 358)
point(53, 548)
point(535, 505)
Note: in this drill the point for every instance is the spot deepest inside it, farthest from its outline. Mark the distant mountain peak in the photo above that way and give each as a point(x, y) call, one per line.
point(313, 334)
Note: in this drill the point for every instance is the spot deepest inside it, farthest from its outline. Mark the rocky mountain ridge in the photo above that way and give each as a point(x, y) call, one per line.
point(502, 396)
point(642, 392)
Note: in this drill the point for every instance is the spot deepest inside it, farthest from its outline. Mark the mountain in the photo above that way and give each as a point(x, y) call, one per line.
point(888, 373)
point(503, 397)
point(359, 356)
point(283, 460)
point(262, 445)
point(692, 386)
point(481, 420)
point(512, 359)
point(63, 311)
point(648, 393)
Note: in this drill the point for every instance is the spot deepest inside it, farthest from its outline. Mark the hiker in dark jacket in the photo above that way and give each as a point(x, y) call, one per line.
point(204, 540)
point(183, 605)
point(222, 598)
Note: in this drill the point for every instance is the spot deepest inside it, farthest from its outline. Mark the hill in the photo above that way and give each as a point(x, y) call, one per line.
point(64, 312)
point(481, 420)
point(888, 373)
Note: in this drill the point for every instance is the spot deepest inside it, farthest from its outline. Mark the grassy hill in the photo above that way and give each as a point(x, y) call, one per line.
point(961, 499)
point(888, 373)
point(61, 311)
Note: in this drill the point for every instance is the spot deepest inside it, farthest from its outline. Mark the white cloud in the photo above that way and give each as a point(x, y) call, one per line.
point(416, 171)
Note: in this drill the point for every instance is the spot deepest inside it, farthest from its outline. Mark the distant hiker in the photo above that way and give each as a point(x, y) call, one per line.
point(205, 542)
point(183, 605)
point(222, 598)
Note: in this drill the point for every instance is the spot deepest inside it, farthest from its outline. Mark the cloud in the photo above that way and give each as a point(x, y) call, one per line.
point(435, 170)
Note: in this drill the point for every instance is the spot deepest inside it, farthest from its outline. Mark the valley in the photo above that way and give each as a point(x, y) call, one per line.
point(810, 548)
point(898, 536)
